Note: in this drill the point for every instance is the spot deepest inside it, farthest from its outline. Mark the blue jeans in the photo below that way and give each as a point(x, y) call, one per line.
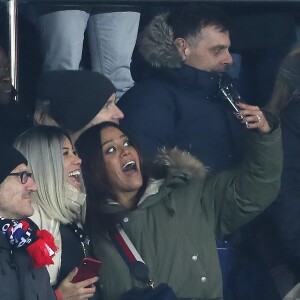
point(112, 38)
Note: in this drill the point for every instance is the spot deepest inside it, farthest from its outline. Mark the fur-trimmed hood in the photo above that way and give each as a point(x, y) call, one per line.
point(172, 167)
point(179, 164)
point(156, 44)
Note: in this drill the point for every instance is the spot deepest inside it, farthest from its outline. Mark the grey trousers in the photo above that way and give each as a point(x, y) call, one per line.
point(112, 37)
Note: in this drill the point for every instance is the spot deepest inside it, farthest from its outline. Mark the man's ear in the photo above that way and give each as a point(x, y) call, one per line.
point(183, 47)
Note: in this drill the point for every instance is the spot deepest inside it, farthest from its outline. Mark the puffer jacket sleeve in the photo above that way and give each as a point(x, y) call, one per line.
point(241, 194)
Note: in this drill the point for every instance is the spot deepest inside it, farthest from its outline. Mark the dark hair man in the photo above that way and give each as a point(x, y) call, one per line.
point(180, 105)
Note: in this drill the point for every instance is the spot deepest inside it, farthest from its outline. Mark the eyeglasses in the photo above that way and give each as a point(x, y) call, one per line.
point(23, 176)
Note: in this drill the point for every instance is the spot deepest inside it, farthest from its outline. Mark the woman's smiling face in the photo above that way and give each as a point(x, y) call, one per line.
point(122, 164)
point(72, 165)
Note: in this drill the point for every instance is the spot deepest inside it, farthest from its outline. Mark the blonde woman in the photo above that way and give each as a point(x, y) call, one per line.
point(59, 204)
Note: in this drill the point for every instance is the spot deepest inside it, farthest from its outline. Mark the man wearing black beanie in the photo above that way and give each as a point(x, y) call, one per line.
point(19, 279)
point(16, 185)
point(75, 100)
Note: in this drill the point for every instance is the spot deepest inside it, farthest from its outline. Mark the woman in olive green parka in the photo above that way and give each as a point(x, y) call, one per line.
point(173, 221)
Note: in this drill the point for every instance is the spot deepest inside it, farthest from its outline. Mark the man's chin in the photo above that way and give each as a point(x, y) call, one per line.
point(221, 69)
point(29, 213)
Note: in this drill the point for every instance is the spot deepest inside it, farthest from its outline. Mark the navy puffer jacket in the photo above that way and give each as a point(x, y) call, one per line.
point(182, 107)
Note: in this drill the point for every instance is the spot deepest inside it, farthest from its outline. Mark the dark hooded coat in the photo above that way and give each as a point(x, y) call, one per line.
point(180, 106)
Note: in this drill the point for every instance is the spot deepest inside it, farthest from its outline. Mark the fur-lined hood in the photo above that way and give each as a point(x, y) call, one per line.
point(156, 44)
point(178, 164)
point(177, 168)
point(170, 168)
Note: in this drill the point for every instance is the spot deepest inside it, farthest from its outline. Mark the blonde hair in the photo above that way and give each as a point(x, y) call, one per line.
point(43, 148)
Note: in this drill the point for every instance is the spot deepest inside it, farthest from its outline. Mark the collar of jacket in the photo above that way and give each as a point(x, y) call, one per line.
point(178, 167)
point(205, 83)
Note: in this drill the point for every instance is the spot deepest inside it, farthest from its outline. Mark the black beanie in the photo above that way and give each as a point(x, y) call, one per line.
point(74, 97)
point(10, 158)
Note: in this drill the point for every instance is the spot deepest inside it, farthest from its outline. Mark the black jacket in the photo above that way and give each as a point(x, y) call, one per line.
point(19, 280)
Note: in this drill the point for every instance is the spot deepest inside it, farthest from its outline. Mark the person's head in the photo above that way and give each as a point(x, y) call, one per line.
point(7, 91)
point(287, 84)
point(195, 35)
point(16, 184)
point(75, 100)
point(111, 166)
point(55, 165)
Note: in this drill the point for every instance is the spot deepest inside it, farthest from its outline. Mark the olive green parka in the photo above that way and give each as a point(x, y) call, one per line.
point(179, 218)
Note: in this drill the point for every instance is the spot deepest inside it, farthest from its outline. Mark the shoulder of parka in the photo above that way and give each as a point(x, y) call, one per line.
point(156, 44)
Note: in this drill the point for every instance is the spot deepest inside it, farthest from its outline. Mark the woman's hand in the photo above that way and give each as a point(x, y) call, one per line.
point(253, 117)
point(79, 290)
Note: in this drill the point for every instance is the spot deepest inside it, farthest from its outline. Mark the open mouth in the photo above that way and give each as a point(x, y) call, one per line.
point(130, 166)
point(75, 174)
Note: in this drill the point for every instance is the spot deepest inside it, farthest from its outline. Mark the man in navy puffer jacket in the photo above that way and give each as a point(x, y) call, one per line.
point(180, 105)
